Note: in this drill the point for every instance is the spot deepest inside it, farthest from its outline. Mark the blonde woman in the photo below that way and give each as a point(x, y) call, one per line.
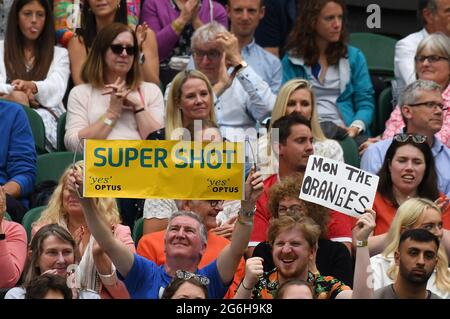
point(413, 213)
point(190, 98)
point(95, 270)
point(297, 96)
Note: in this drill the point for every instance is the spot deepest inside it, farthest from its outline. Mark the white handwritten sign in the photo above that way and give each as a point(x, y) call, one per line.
point(338, 186)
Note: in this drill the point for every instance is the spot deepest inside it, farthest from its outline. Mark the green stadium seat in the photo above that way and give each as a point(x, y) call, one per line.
point(379, 51)
point(30, 217)
point(51, 166)
point(383, 111)
point(138, 230)
point(351, 154)
point(37, 128)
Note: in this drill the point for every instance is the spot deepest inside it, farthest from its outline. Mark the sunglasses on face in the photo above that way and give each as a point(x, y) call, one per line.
point(186, 275)
point(404, 137)
point(430, 58)
point(118, 49)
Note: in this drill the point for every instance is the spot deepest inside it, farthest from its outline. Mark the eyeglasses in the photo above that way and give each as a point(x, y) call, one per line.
point(430, 58)
point(430, 105)
point(404, 137)
point(118, 49)
point(186, 275)
point(214, 203)
point(294, 209)
point(212, 55)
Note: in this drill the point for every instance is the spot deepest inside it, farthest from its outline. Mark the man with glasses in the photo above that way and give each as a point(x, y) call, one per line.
point(151, 246)
point(435, 16)
point(243, 98)
point(422, 111)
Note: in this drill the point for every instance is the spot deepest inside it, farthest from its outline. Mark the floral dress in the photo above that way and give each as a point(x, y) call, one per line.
point(325, 287)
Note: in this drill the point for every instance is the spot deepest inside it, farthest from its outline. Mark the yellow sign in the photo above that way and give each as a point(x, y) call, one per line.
point(163, 169)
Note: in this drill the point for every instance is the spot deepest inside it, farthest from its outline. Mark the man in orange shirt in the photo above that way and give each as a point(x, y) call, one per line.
point(151, 246)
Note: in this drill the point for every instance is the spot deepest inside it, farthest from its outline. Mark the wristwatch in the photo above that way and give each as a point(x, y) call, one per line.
point(361, 243)
point(248, 214)
point(239, 67)
point(107, 121)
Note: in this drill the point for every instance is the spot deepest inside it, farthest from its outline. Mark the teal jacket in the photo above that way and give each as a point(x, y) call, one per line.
point(356, 101)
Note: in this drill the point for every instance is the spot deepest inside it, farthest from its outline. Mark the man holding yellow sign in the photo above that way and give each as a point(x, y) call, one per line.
point(185, 243)
point(148, 169)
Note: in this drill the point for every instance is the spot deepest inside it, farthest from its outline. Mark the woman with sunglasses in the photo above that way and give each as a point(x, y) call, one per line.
point(33, 71)
point(432, 62)
point(114, 102)
point(297, 96)
point(408, 171)
point(318, 50)
point(95, 16)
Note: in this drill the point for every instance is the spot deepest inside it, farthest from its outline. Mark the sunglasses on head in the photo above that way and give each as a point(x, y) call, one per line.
point(404, 137)
point(118, 49)
point(186, 275)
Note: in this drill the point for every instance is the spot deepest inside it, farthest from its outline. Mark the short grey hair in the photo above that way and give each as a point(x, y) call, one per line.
point(203, 231)
point(438, 43)
point(412, 91)
point(207, 33)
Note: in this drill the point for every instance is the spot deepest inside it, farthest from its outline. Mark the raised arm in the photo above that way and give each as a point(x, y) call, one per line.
point(230, 256)
point(119, 253)
point(253, 269)
point(362, 288)
point(77, 56)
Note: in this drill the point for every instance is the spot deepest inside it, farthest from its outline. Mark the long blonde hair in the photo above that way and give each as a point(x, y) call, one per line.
point(56, 214)
point(406, 217)
point(174, 114)
point(280, 106)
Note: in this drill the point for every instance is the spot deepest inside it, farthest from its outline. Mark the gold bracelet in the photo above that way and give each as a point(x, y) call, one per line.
point(361, 243)
point(176, 27)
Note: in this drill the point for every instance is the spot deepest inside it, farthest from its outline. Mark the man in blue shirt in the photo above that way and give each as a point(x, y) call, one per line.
point(244, 18)
point(185, 244)
point(17, 158)
point(422, 110)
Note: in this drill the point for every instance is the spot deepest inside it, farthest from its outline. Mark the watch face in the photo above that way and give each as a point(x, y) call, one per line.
point(108, 122)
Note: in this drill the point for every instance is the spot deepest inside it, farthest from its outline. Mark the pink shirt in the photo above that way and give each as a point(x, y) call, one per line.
point(13, 252)
point(395, 123)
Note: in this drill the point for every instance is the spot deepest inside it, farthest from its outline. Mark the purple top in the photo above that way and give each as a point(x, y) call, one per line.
point(159, 14)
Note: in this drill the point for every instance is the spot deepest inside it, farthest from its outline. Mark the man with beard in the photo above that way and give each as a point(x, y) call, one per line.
point(293, 148)
point(294, 245)
point(416, 258)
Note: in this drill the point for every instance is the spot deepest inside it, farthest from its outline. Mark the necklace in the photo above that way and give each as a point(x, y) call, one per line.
point(29, 63)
